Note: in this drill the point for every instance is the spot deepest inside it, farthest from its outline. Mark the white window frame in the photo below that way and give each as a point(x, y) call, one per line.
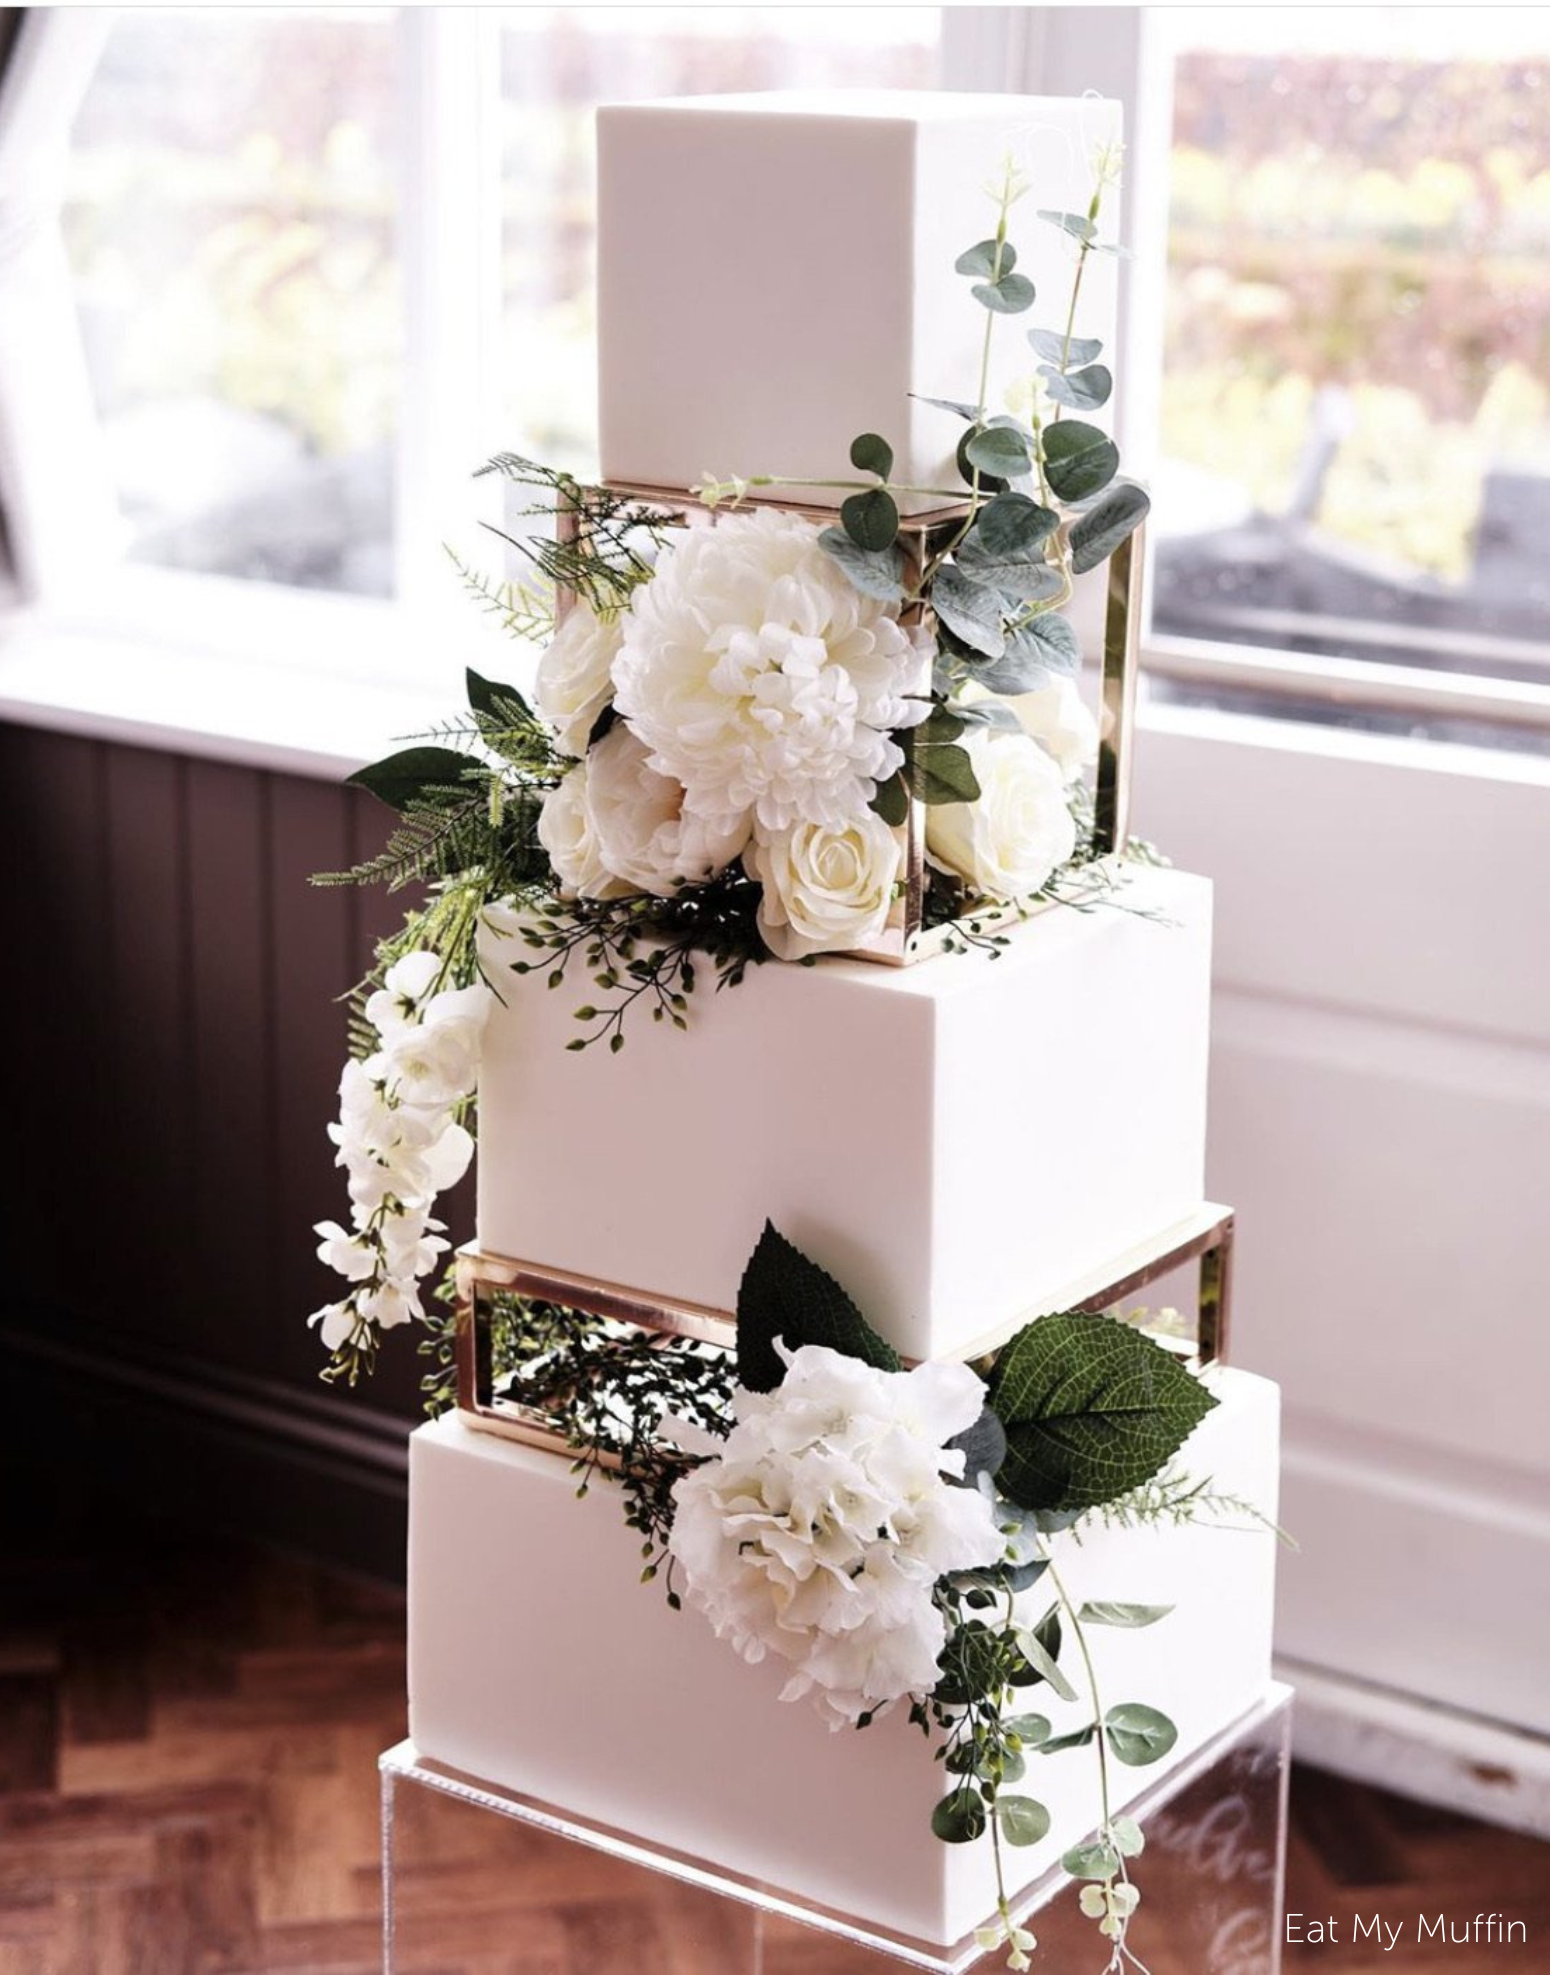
point(1122, 52)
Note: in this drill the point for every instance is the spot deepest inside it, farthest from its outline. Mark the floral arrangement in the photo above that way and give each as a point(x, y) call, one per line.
point(880, 1531)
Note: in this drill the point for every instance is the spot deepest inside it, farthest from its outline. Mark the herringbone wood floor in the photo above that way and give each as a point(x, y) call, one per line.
point(188, 1734)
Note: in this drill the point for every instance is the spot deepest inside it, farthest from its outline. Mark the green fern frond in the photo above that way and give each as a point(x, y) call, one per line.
point(524, 612)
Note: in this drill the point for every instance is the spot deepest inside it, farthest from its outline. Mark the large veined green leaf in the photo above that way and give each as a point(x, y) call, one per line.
point(785, 1295)
point(1091, 1408)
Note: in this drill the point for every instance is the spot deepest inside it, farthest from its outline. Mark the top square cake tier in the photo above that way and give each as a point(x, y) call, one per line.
point(776, 274)
point(956, 1142)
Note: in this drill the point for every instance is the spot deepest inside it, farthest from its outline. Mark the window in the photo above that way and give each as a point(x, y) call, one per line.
point(1355, 407)
point(230, 225)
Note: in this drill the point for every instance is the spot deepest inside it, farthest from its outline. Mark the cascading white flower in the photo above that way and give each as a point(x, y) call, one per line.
point(760, 678)
point(400, 1144)
point(818, 1531)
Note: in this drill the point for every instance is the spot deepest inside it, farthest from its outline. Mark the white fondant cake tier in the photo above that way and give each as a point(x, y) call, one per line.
point(537, 1661)
point(956, 1141)
point(738, 333)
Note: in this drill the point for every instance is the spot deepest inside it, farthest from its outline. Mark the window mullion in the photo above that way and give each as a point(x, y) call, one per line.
point(449, 234)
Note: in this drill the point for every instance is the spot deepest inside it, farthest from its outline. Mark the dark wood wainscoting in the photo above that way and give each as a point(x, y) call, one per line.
point(172, 1049)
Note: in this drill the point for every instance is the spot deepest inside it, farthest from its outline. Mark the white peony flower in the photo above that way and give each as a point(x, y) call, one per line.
point(1006, 845)
point(819, 1531)
point(827, 888)
point(638, 822)
point(565, 831)
point(575, 680)
point(762, 680)
point(1057, 717)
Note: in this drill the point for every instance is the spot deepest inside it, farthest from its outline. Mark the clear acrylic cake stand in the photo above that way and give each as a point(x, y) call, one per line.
point(477, 1876)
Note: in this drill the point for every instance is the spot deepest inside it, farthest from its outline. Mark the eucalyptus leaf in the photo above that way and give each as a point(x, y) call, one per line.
point(941, 724)
point(1018, 576)
point(960, 1818)
point(1012, 524)
point(874, 572)
point(1098, 533)
point(1138, 1735)
point(1092, 1407)
point(1078, 390)
point(892, 801)
point(1094, 1860)
point(416, 775)
point(943, 775)
point(1023, 1821)
point(1078, 225)
point(1077, 1739)
point(1079, 460)
point(1036, 652)
point(1030, 1729)
point(1042, 1659)
point(1011, 295)
point(954, 405)
point(981, 259)
point(1128, 1836)
point(991, 713)
point(1051, 344)
point(970, 611)
point(872, 455)
point(785, 1295)
point(1129, 1617)
point(982, 1445)
point(871, 520)
point(1004, 450)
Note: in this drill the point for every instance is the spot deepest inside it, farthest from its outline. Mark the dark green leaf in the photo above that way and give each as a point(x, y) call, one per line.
point(1076, 224)
point(1092, 1408)
point(875, 573)
point(1051, 344)
point(871, 520)
point(941, 724)
point(1012, 524)
point(969, 1665)
point(982, 1445)
point(1078, 459)
point(1004, 450)
point(416, 775)
point(1130, 1617)
point(1043, 648)
point(892, 801)
point(1022, 1820)
point(872, 455)
point(1080, 390)
point(1009, 296)
point(1138, 1735)
point(1091, 1861)
point(960, 1818)
point(970, 611)
point(1099, 532)
point(492, 698)
point(1077, 1739)
point(784, 1295)
point(944, 774)
point(981, 259)
point(954, 405)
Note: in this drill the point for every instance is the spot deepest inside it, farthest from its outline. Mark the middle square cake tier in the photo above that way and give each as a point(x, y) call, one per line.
point(956, 1142)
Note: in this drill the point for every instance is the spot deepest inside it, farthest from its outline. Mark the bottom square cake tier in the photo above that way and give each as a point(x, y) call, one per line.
point(537, 1661)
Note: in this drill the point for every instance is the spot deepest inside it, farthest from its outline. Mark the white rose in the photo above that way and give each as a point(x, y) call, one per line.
point(639, 824)
point(827, 888)
point(820, 1529)
point(575, 676)
point(1057, 717)
point(1020, 831)
point(566, 833)
point(761, 679)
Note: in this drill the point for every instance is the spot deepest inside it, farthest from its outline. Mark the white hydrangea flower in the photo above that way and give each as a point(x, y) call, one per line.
point(575, 680)
point(762, 680)
point(818, 1532)
point(1009, 843)
point(826, 888)
point(639, 824)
